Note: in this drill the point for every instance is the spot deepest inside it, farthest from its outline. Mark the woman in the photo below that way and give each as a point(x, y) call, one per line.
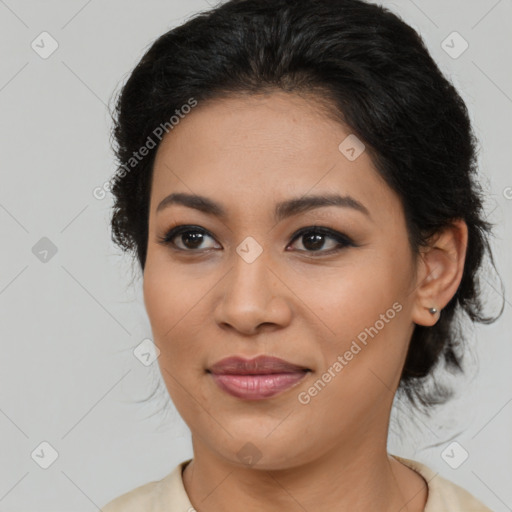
point(298, 182)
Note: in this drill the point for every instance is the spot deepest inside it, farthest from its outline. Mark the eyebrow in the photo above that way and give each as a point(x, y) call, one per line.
point(283, 209)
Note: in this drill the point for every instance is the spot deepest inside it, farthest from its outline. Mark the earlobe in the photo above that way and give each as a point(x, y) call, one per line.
point(442, 266)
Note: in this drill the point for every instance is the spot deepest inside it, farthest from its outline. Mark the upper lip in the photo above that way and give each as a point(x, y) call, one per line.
point(261, 365)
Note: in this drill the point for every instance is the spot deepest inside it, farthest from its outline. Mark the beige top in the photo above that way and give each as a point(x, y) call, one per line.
point(169, 495)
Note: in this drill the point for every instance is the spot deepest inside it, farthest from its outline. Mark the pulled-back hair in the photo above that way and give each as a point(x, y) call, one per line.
point(376, 75)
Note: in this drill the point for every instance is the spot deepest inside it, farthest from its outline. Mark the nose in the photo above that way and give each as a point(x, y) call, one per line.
point(254, 298)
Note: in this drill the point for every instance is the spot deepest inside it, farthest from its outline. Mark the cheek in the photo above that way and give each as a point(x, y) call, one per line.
point(168, 298)
point(160, 299)
point(348, 300)
point(364, 316)
point(166, 305)
point(173, 306)
point(167, 312)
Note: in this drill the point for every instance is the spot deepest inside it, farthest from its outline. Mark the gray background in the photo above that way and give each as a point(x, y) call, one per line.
point(70, 319)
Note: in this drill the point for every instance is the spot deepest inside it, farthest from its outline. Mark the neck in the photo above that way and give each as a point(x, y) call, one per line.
point(357, 477)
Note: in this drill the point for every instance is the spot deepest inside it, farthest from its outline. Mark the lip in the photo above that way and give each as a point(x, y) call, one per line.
point(258, 378)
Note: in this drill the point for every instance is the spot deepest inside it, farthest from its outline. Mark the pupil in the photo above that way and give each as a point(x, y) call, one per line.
point(317, 243)
point(195, 237)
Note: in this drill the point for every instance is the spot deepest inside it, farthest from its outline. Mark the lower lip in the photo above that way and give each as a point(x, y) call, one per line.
point(257, 387)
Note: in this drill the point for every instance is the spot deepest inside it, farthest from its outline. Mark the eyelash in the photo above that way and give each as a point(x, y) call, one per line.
point(342, 240)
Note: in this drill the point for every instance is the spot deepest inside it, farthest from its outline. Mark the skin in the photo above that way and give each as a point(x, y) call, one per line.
point(248, 153)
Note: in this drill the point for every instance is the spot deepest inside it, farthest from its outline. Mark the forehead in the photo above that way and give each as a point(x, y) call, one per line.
point(250, 150)
point(288, 126)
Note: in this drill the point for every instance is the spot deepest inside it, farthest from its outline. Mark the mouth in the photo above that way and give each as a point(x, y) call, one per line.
point(258, 378)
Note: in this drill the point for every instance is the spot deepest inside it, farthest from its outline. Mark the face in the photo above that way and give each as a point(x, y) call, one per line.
point(328, 288)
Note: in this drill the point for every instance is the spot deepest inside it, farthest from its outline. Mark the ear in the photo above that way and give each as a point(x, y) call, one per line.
point(440, 268)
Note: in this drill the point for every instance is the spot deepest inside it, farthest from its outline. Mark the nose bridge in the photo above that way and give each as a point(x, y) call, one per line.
point(249, 275)
point(251, 294)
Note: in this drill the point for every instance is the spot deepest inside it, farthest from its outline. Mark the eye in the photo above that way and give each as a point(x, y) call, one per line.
point(313, 239)
point(191, 237)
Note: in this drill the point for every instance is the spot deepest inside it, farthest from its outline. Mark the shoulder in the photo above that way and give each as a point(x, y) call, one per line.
point(140, 498)
point(444, 495)
point(155, 496)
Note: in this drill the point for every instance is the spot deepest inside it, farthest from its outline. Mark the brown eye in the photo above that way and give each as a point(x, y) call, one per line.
point(314, 240)
point(192, 238)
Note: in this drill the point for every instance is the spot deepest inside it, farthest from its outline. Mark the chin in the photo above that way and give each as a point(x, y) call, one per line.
point(261, 453)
